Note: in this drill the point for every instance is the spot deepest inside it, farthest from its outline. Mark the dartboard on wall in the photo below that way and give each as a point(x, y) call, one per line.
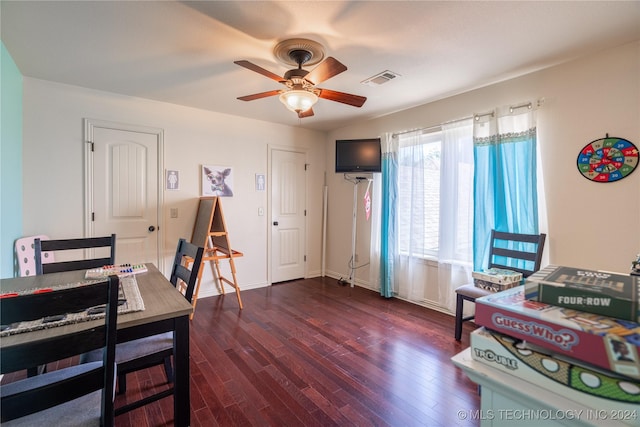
point(608, 159)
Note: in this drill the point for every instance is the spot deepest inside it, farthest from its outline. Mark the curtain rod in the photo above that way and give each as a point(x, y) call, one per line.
point(431, 127)
point(476, 117)
point(529, 105)
point(457, 120)
point(415, 130)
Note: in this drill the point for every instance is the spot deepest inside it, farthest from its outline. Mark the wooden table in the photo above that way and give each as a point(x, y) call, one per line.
point(166, 309)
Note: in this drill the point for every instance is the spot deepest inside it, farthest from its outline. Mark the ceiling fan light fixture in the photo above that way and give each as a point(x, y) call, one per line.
point(298, 100)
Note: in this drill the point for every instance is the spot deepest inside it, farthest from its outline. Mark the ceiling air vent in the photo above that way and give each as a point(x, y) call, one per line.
point(380, 78)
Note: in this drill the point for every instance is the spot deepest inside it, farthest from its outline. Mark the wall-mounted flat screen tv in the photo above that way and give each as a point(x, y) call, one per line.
point(358, 155)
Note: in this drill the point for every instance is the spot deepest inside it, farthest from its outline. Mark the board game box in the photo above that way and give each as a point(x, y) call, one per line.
point(496, 279)
point(493, 287)
point(606, 342)
point(600, 292)
point(591, 387)
point(498, 275)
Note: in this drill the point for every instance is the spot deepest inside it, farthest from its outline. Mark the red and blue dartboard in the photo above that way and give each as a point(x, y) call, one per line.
point(608, 159)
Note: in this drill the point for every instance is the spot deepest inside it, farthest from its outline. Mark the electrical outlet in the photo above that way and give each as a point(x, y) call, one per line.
point(173, 212)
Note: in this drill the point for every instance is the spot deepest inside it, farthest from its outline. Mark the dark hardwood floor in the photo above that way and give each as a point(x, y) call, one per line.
point(313, 353)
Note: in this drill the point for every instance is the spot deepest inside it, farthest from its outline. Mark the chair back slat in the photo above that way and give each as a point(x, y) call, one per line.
point(82, 243)
point(83, 264)
point(40, 246)
point(35, 306)
point(510, 253)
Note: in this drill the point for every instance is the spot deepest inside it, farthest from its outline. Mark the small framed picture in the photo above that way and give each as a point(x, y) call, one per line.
point(260, 182)
point(217, 181)
point(172, 180)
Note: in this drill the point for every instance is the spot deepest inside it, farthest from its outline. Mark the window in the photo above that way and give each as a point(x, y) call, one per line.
point(435, 195)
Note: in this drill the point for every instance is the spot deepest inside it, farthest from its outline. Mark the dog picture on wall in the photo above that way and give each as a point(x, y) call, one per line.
point(217, 181)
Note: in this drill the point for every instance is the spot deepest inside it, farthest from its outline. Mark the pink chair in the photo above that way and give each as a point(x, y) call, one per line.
point(26, 256)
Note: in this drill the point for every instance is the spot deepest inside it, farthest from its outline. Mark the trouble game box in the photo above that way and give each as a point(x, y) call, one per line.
point(594, 388)
point(606, 342)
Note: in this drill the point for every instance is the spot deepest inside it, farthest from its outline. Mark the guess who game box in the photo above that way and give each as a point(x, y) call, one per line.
point(595, 388)
point(606, 342)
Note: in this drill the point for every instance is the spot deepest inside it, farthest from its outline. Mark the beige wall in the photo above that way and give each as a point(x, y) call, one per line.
point(54, 168)
point(590, 225)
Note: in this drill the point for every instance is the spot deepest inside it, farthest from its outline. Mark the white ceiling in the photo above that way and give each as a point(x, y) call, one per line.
point(183, 52)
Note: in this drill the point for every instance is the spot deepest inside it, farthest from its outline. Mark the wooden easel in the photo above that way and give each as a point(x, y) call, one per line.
point(210, 232)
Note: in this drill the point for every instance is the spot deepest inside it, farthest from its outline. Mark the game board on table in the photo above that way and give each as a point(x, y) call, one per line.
point(129, 300)
point(119, 270)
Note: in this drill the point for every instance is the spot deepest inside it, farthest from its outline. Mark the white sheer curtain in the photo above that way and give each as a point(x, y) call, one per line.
point(412, 223)
point(429, 249)
point(399, 270)
point(455, 253)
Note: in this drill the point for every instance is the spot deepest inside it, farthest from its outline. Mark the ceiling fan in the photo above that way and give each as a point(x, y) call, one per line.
point(301, 92)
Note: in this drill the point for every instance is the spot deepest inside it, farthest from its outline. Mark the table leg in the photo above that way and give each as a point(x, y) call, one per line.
point(181, 396)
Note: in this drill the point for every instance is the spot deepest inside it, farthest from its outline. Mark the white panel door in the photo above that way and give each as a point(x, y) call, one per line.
point(125, 192)
point(288, 236)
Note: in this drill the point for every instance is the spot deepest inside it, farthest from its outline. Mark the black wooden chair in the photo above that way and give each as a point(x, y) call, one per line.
point(77, 395)
point(155, 350)
point(507, 250)
point(108, 242)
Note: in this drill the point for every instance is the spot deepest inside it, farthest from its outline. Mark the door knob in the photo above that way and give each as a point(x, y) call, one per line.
point(152, 228)
point(275, 222)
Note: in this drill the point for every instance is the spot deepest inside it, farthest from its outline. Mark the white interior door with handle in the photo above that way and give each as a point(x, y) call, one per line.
point(288, 215)
point(125, 196)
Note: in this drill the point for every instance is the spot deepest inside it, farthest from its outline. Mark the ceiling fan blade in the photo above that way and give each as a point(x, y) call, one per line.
point(259, 95)
point(328, 68)
point(306, 113)
point(253, 67)
point(345, 98)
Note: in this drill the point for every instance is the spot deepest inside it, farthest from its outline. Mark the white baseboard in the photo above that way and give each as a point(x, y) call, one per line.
point(229, 290)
